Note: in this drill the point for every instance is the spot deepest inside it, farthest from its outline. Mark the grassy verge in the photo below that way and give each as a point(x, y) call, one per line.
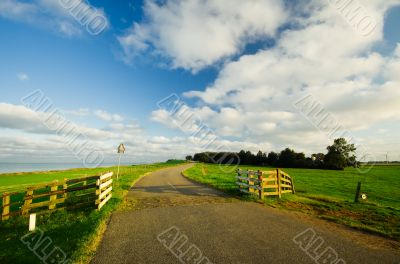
point(76, 233)
point(328, 195)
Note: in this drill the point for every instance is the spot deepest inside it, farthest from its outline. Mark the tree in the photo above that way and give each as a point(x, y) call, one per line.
point(189, 157)
point(318, 160)
point(261, 158)
point(201, 157)
point(287, 158)
point(272, 158)
point(340, 155)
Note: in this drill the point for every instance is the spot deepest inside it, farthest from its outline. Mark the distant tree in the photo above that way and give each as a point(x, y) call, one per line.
point(246, 157)
point(318, 160)
point(340, 155)
point(272, 158)
point(261, 158)
point(318, 157)
point(250, 158)
point(335, 161)
point(242, 157)
point(189, 157)
point(287, 158)
point(201, 157)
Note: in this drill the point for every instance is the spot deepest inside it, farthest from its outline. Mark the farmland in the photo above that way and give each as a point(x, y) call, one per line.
point(328, 194)
point(75, 232)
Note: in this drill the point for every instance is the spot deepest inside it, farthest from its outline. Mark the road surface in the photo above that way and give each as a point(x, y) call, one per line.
point(169, 219)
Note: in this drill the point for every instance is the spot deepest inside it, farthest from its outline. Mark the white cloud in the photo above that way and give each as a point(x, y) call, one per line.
point(252, 98)
point(106, 116)
point(250, 104)
point(24, 119)
point(51, 14)
point(25, 138)
point(19, 117)
point(195, 34)
point(79, 112)
point(22, 76)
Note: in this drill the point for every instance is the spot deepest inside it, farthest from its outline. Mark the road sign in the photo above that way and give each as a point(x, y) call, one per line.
point(121, 148)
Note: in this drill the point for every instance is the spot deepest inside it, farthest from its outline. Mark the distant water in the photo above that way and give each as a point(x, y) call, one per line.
point(28, 167)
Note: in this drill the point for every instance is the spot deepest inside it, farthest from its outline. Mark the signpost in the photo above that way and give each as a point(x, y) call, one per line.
point(121, 150)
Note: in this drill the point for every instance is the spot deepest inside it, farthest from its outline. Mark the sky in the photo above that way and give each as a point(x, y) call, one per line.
point(240, 69)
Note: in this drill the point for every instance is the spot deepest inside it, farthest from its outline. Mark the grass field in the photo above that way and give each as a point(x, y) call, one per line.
point(329, 194)
point(75, 232)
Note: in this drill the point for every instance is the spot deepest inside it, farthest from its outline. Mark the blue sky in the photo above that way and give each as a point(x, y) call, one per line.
point(239, 68)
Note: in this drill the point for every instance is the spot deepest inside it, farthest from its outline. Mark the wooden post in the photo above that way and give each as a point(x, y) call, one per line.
point(6, 206)
point(98, 192)
point(28, 201)
point(357, 192)
point(261, 184)
point(119, 163)
point(278, 177)
point(53, 198)
point(239, 180)
point(65, 188)
point(293, 190)
point(248, 181)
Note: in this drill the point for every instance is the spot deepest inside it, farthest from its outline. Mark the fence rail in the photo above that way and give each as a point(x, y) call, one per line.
point(67, 194)
point(265, 183)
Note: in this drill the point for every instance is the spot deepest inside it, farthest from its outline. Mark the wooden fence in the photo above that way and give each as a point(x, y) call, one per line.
point(67, 194)
point(265, 183)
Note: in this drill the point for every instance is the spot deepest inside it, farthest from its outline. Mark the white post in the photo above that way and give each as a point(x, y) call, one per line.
point(119, 163)
point(32, 222)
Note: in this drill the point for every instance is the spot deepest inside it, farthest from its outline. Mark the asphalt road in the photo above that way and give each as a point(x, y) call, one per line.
point(169, 219)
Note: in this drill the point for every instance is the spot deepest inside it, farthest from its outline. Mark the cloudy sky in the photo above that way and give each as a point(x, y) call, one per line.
point(239, 68)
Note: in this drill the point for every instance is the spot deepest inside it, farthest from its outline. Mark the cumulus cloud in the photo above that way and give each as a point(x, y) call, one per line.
point(195, 34)
point(79, 112)
point(24, 136)
point(59, 16)
point(24, 119)
point(323, 55)
point(106, 116)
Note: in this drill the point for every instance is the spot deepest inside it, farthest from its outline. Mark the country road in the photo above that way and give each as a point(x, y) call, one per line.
point(165, 215)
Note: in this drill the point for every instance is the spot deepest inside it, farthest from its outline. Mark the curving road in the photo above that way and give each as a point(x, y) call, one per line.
point(169, 219)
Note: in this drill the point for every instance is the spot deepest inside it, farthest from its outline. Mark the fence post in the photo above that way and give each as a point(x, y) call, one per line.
point(6, 206)
point(28, 201)
point(239, 180)
point(278, 177)
point(65, 188)
point(248, 181)
point(53, 198)
point(357, 192)
point(98, 192)
point(293, 190)
point(261, 184)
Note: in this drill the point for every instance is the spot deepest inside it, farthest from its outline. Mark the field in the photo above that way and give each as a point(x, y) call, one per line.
point(75, 232)
point(328, 194)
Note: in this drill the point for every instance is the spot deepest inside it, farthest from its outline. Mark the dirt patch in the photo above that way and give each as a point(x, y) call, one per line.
point(168, 201)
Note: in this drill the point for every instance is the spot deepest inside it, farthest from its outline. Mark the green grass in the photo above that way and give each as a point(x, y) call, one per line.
point(77, 233)
point(328, 194)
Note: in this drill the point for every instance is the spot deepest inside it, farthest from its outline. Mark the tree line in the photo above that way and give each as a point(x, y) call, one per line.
point(339, 155)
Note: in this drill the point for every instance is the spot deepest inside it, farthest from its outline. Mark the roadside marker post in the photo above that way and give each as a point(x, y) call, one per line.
point(357, 192)
point(32, 222)
point(121, 150)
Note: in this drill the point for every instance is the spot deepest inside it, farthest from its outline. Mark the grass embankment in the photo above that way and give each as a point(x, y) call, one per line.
point(77, 233)
point(328, 194)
